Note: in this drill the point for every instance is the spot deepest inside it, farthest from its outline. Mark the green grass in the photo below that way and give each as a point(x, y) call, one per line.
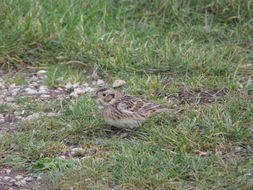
point(177, 49)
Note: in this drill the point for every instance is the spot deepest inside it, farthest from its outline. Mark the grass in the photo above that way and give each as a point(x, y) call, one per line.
point(185, 50)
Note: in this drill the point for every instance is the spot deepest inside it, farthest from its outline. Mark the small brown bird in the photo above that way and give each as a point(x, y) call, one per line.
point(124, 111)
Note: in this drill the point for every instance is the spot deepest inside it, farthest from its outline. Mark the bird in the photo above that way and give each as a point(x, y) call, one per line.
point(124, 111)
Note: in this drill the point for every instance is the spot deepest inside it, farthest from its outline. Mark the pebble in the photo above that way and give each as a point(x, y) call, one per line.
point(20, 183)
point(30, 91)
point(43, 90)
point(12, 180)
point(85, 84)
point(41, 73)
point(2, 85)
point(1, 120)
point(68, 86)
point(118, 83)
point(10, 99)
point(77, 152)
point(45, 96)
point(28, 179)
point(7, 171)
point(7, 178)
point(238, 149)
point(100, 82)
point(89, 89)
point(19, 177)
point(12, 86)
point(77, 92)
point(32, 117)
point(15, 91)
point(52, 114)
point(75, 85)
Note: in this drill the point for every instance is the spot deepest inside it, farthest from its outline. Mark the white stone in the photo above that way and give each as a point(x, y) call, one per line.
point(41, 73)
point(12, 86)
point(10, 99)
point(89, 89)
point(7, 178)
point(2, 85)
point(75, 85)
point(118, 83)
point(32, 117)
point(30, 91)
point(85, 84)
point(7, 171)
point(68, 85)
point(12, 180)
point(51, 114)
point(43, 89)
point(100, 82)
point(18, 177)
point(45, 96)
point(28, 179)
point(14, 91)
point(34, 84)
point(77, 151)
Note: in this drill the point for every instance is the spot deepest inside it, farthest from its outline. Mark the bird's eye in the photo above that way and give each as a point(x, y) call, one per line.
point(104, 94)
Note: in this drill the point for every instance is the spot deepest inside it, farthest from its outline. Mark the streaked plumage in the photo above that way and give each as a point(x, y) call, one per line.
point(124, 111)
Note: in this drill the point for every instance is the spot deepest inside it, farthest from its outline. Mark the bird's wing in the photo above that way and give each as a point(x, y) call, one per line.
point(131, 104)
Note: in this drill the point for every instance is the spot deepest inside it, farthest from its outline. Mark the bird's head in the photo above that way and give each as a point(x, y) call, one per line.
point(105, 96)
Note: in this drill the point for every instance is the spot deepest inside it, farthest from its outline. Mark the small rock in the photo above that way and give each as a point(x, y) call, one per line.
point(238, 149)
point(34, 84)
point(85, 84)
point(16, 113)
point(15, 91)
point(2, 85)
point(62, 156)
point(12, 86)
point(77, 92)
point(32, 117)
point(9, 118)
point(7, 178)
point(77, 152)
point(30, 91)
point(28, 179)
point(51, 114)
point(7, 171)
point(10, 99)
point(45, 96)
point(249, 174)
point(75, 85)
point(89, 89)
point(1, 120)
point(18, 177)
point(20, 183)
point(68, 86)
point(118, 83)
point(100, 82)
point(43, 90)
point(41, 73)
point(12, 180)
